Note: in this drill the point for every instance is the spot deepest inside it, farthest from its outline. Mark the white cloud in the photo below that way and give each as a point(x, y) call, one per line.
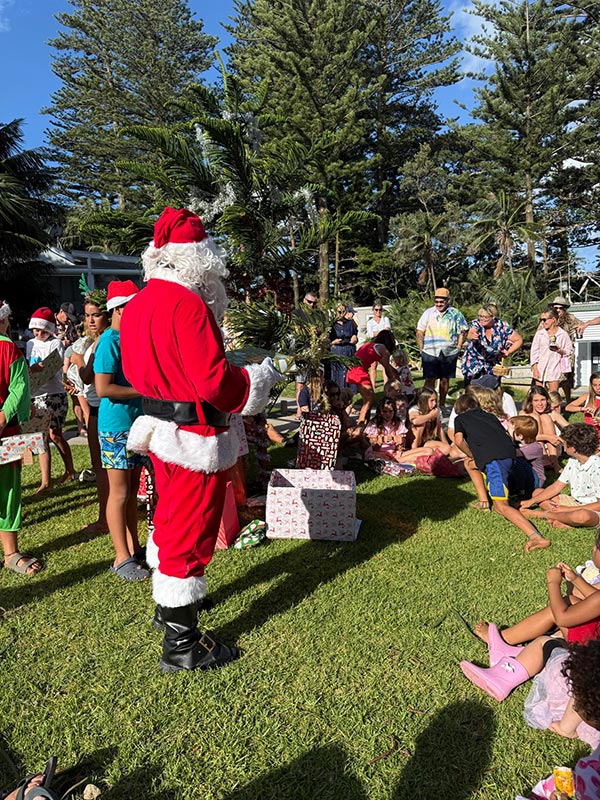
point(4, 20)
point(466, 25)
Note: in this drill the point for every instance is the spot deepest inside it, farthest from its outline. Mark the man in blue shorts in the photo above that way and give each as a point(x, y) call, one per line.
point(481, 437)
point(441, 333)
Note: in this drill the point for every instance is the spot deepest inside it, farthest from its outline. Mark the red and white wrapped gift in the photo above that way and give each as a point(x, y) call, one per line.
point(312, 504)
point(13, 448)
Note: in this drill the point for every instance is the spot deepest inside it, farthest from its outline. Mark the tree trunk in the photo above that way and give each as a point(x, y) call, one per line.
point(295, 283)
point(336, 287)
point(323, 256)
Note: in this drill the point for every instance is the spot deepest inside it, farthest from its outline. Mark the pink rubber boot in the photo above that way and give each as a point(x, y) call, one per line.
point(498, 648)
point(498, 681)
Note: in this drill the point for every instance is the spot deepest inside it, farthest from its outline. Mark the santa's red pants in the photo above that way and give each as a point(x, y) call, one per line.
point(187, 518)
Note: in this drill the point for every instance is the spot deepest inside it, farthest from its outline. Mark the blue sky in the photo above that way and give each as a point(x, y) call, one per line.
point(25, 58)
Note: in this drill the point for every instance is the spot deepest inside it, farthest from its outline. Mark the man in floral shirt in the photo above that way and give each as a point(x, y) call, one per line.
point(441, 333)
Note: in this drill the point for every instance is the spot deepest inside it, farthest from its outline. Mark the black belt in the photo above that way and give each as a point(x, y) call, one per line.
point(185, 413)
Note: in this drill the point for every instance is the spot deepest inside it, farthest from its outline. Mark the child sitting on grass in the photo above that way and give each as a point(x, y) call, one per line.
point(578, 620)
point(582, 671)
point(525, 430)
point(482, 438)
point(556, 412)
point(537, 405)
point(580, 509)
point(387, 433)
point(400, 360)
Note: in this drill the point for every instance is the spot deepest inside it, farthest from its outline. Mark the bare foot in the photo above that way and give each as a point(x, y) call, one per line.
point(536, 542)
point(556, 727)
point(554, 523)
point(43, 488)
point(67, 478)
point(481, 630)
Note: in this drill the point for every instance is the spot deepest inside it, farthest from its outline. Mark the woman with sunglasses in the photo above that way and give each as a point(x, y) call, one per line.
point(489, 340)
point(375, 325)
point(343, 340)
point(551, 351)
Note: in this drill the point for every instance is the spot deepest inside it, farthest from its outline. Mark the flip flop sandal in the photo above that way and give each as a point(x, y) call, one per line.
point(43, 790)
point(130, 570)
point(21, 569)
point(481, 505)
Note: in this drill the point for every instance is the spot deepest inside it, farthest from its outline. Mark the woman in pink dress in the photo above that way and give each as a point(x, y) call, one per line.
point(376, 352)
point(551, 351)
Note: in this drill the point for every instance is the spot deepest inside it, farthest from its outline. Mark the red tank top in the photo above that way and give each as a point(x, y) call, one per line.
point(584, 633)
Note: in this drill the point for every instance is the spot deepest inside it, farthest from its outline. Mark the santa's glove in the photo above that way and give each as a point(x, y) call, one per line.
point(263, 377)
point(271, 371)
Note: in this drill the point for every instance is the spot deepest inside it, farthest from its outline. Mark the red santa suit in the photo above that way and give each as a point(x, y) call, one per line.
point(173, 350)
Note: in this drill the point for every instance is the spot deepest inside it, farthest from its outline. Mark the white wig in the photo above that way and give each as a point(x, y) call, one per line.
point(198, 265)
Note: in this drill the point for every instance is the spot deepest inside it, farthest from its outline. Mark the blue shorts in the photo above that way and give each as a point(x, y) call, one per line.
point(509, 476)
point(114, 452)
point(438, 366)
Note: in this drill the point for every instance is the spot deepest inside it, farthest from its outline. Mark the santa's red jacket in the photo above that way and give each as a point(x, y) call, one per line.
point(172, 349)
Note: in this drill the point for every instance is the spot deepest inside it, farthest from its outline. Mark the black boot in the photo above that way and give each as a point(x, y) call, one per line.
point(158, 622)
point(184, 647)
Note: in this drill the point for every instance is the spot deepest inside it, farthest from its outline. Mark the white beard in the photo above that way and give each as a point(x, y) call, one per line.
point(198, 265)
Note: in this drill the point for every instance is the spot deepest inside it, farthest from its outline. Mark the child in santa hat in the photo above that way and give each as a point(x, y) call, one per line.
point(51, 397)
point(120, 405)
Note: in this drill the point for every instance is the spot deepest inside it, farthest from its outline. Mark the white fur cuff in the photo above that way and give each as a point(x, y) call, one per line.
point(186, 449)
point(151, 553)
point(262, 379)
point(176, 592)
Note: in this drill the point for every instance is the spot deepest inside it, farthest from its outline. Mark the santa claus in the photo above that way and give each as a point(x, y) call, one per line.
point(173, 355)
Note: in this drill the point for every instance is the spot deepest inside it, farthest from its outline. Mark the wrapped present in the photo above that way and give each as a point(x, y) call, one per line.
point(13, 448)
point(51, 366)
point(251, 535)
point(312, 504)
point(318, 441)
point(230, 523)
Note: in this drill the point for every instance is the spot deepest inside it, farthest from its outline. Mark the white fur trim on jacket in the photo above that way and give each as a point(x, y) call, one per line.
point(151, 553)
point(176, 592)
point(262, 379)
point(186, 449)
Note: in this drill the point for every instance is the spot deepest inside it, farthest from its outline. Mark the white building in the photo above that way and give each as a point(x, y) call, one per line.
point(587, 349)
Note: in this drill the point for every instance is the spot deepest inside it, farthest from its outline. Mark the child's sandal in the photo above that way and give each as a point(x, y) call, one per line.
point(481, 505)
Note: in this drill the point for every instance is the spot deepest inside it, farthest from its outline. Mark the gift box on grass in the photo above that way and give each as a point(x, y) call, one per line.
point(230, 523)
point(312, 504)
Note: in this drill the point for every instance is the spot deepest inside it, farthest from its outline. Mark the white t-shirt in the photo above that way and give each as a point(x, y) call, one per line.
point(37, 351)
point(89, 389)
point(373, 328)
point(583, 479)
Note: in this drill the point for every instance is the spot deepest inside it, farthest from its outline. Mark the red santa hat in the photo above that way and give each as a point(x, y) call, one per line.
point(43, 319)
point(5, 310)
point(119, 293)
point(178, 226)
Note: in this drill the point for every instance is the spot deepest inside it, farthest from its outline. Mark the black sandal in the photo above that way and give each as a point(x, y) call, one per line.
point(43, 790)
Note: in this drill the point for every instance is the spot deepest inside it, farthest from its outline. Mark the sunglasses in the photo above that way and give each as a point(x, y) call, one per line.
point(378, 309)
point(545, 319)
point(440, 300)
point(311, 302)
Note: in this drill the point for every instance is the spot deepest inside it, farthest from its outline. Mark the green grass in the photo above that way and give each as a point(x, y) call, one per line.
point(351, 653)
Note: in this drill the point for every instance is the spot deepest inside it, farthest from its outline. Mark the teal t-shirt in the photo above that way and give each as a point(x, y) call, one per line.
point(114, 416)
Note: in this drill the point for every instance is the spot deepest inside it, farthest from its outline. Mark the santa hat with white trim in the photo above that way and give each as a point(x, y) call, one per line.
point(44, 320)
point(5, 310)
point(119, 293)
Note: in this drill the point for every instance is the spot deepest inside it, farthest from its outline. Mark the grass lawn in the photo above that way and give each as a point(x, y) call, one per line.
point(349, 686)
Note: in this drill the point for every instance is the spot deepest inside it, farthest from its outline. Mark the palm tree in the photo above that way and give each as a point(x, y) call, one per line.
point(25, 213)
point(503, 224)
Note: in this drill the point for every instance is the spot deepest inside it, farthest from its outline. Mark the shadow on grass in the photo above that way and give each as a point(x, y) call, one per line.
point(31, 589)
point(313, 564)
point(141, 784)
point(72, 539)
point(322, 772)
point(451, 755)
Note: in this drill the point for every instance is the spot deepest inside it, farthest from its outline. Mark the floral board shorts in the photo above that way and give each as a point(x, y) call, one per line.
point(54, 405)
point(114, 452)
